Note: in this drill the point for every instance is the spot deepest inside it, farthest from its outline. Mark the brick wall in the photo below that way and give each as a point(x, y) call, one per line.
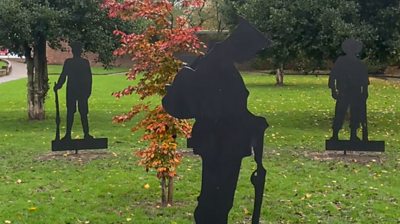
point(57, 57)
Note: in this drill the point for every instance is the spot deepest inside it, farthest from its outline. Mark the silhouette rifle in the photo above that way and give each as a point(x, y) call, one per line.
point(258, 179)
point(364, 123)
point(57, 114)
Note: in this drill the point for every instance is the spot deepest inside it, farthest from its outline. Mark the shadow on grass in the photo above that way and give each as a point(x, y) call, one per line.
point(300, 86)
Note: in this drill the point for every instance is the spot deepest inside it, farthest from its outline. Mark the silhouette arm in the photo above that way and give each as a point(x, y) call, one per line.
point(366, 83)
point(90, 78)
point(258, 141)
point(63, 77)
point(331, 82)
point(180, 101)
point(365, 90)
point(335, 72)
point(332, 86)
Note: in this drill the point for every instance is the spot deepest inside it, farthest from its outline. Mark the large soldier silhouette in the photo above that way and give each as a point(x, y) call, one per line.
point(79, 89)
point(349, 82)
point(212, 91)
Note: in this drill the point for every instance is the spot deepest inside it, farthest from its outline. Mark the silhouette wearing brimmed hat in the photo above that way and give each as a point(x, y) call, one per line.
point(79, 88)
point(213, 92)
point(349, 82)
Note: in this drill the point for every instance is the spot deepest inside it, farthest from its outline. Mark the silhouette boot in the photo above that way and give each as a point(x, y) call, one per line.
point(353, 135)
point(70, 121)
point(85, 126)
point(335, 134)
point(364, 132)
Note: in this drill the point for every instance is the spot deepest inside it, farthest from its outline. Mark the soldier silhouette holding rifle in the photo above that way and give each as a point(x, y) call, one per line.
point(77, 72)
point(349, 84)
point(212, 91)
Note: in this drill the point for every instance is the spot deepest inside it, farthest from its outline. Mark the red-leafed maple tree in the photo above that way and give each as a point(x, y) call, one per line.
point(153, 53)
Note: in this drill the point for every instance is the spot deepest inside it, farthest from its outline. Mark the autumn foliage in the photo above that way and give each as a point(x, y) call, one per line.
point(155, 65)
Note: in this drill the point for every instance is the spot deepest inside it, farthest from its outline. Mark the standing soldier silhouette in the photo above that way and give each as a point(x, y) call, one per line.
point(213, 92)
point(79, 89)
point(349, 82)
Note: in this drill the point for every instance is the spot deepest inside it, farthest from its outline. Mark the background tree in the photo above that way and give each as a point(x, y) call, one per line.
point(153, 52)
point(27, 26)
point(311, 29)
point(384, 19)
point(229, 11)
point(24, 28)
point(209, 15)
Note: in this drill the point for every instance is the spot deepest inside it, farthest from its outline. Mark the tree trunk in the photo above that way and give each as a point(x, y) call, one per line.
point(279, 76)
point(37, 79)
point(30, 85)
point(170, 190)
point(163, 191)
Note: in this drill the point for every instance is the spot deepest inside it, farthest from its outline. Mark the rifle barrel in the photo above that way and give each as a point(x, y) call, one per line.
point(57, 114)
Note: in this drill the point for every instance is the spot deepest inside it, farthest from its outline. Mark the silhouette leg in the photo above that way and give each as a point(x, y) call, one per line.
point(83, 111)
point(355, 118)
point(219, 180)
point(70, 121)
point(340, 113)
point(85, 125)
point(71, 109)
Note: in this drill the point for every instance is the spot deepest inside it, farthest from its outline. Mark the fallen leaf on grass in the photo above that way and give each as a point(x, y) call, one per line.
point(307, 196)
point(299, 214)
point(32, 209)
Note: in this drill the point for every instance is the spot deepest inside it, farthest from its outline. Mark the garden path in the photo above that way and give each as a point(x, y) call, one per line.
point(18, 71)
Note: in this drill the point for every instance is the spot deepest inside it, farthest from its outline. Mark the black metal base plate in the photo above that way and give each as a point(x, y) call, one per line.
point(347, 145)
point(79, 144)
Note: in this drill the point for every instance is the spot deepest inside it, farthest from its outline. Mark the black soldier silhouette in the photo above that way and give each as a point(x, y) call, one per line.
point(349, 82)
point(79, 88)
point(212, 91)
point(78, 75)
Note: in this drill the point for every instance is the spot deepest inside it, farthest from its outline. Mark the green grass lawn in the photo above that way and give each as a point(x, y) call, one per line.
point(97, 70)
point(110, 190)
point(2, 63)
